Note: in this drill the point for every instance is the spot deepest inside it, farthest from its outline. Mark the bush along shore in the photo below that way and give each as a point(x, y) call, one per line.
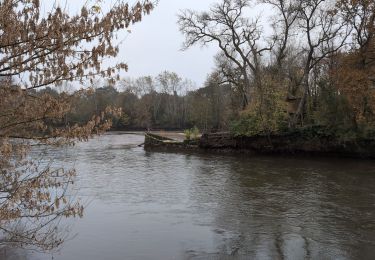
point(160, 142)
point(283, 144)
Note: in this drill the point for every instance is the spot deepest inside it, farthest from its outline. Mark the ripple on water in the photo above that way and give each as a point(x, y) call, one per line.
point(145, 205)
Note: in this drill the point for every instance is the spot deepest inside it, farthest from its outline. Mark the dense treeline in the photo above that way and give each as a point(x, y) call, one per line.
point(163, 102)
point(312, 66)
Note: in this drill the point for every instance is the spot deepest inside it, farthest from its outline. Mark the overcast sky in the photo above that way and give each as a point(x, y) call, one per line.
point(154, 44)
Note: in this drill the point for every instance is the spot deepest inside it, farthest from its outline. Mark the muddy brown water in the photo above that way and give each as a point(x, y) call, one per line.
point(152, 205)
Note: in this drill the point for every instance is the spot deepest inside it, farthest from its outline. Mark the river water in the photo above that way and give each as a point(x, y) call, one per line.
point(153, 205)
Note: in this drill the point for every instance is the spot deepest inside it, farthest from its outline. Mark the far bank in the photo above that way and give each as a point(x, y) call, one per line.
point(287, 144)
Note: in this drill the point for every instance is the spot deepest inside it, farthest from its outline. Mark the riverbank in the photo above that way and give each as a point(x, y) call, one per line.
point(290, 144)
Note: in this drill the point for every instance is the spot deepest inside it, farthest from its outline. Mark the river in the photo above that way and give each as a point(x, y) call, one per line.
point(153, 205)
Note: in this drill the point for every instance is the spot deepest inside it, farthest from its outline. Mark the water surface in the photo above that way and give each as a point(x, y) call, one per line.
point(151, 205)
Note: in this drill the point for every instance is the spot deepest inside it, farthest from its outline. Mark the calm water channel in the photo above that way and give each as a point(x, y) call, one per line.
point(150, 205)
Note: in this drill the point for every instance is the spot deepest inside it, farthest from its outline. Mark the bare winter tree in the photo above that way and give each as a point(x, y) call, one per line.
point(324, 33)
point(360, 15)
point(239, 39)
point(283, 25)
point(172, 85)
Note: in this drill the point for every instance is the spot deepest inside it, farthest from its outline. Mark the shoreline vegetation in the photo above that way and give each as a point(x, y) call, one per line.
point(282, 144)
point(315, 97)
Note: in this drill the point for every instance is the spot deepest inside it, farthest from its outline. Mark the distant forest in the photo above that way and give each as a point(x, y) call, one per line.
point(312, 69)
point(166, 102)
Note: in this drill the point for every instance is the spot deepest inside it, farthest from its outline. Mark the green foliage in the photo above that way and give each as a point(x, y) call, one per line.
point(335, 117)
point(123, 121)
point(195, 132)
point(192, 134)
point(265, 115)
point(188, 134)
point(247, 125)
point(333, 111)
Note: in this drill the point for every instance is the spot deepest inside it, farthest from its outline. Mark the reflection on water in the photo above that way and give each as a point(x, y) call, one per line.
point(145, 205)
